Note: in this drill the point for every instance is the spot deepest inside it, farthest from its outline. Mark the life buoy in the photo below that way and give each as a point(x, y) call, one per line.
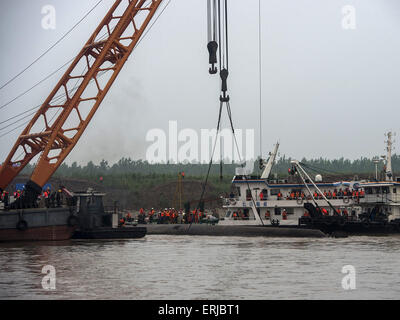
point(22, 225)
point(72, 221)
point(299, 200)
point(346, 200)
point(275, 222)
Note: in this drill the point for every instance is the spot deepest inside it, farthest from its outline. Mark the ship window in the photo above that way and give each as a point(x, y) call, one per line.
point(238, 191)
point(394, 190)
point(228, 214)
point(290, 210)
point(248, 194)
point(274, 192)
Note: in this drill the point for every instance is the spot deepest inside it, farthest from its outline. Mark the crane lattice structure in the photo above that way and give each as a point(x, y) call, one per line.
point(56, 127)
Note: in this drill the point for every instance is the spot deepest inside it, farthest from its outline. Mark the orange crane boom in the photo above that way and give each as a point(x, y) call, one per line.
point(62, 124)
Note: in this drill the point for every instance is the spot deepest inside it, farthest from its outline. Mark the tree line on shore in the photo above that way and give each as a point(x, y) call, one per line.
point(143, 170)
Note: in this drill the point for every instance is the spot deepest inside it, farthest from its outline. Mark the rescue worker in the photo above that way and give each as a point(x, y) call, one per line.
point(53, 199)
point(261, 196)
point(284, 214)
point(151, 215)
point(306, 214)
point(46, 196)
point(325, 212)
point(267, 215)
point(122, 222)
point(141, 216)
point(6, 199)
point(58, 198)
point(279, 195)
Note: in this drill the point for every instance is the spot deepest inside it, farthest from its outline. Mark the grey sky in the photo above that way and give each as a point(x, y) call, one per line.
point(326, 91)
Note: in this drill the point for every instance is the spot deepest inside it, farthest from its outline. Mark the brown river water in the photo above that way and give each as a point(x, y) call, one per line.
point(200, 267)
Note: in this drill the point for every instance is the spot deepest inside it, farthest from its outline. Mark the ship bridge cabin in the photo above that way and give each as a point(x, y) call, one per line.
point(381, 197)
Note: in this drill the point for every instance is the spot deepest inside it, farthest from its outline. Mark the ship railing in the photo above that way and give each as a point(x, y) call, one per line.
point(380, 198)
point(230, 201)
point(112, 209)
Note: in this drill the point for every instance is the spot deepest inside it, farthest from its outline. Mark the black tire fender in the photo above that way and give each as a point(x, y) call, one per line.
point(366, 224)
point(22, 225)
point(72, 221)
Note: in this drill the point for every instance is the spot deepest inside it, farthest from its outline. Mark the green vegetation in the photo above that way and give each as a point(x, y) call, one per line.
point(138, 175)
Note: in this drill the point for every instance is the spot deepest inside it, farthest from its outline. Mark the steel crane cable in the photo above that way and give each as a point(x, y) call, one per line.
point(316, 169)
point(40, 82)
point(212, 155)
point(228, 107)
point(35, 85)
point(55, 99)
point(210, 163)
point(49, 49)
point(102, 37)
point(54, 72)
point(212, 27)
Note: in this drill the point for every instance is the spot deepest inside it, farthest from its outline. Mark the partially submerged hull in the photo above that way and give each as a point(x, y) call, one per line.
point(111, 233)
point(231, 230)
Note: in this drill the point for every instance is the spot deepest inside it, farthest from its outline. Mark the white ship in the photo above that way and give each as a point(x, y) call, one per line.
point(265, 201)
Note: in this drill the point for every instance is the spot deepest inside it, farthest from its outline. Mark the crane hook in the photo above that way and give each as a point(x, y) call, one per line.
point(212, 47)
point(224, 73)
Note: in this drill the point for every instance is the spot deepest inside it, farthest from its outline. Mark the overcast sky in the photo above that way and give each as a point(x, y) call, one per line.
point(326, 91)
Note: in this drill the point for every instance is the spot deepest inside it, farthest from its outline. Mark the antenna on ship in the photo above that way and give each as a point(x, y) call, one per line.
point(389, 148)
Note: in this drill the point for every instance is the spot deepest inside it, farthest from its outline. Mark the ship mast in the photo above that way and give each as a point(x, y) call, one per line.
point(269, 164)
point(388, 169)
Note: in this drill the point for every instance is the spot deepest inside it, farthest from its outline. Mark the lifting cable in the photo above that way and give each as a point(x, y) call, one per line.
point(316, 169)
point(217, 15)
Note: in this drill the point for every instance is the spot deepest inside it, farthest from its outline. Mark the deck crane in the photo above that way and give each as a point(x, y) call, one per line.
point(57, 139)
point(297, 168)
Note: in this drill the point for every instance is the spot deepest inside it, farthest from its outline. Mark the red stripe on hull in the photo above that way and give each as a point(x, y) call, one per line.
point(49, 233)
